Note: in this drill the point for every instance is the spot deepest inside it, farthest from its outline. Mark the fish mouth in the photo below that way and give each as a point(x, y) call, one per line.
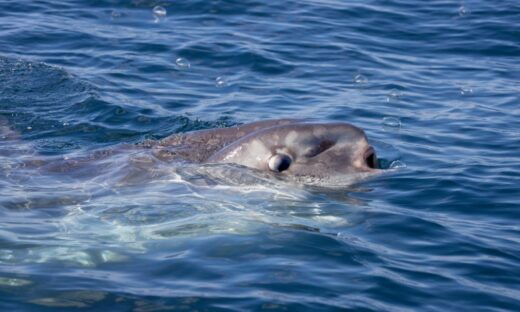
point(370, 158)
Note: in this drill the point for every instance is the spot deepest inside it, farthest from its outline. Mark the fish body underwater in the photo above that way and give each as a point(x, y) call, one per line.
point(288, 149)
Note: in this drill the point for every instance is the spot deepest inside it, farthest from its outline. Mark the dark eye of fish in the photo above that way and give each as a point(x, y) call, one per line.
point(279, 162)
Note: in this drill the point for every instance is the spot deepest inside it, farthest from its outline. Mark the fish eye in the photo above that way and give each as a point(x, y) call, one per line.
point(279, 162)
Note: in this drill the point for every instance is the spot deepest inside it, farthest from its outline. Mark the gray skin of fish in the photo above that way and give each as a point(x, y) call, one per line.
point(286, 147)
point(307, 152)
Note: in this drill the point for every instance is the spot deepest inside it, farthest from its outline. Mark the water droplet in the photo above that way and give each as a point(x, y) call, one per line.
point(221, 82)
point(463, 11)
point(397, 164)
point(392, 122)
point(159, 11)
point(115, 14)
point(359, 78)
point(394, 94)
point(182, 63)
point(465, 90)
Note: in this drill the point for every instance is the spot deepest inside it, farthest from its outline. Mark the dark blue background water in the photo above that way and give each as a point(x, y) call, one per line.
point(435, 85)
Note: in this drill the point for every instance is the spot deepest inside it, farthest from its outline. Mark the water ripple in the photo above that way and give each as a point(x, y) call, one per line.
point(85, 225)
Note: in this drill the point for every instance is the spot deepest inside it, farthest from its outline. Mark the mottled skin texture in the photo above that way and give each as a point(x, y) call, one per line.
point(199, 146)
point(313, 149)
point(310, 150)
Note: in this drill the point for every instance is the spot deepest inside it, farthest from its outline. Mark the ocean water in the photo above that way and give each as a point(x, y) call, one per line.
point(435, 85)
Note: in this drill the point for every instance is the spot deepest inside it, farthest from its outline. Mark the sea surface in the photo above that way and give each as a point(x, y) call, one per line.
point(435, 85)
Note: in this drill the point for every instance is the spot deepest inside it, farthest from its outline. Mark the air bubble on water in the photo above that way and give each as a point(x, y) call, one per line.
point(394, 94)
point(159, 11)
point(359, 78)
point(392, 122)
point(463, 11)
point(115, 14)
point(221, 82)
point(182, 63)
point(397, 164)
point(465, 90)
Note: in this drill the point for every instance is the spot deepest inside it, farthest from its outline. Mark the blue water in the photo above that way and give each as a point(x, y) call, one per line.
point(435, 85)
